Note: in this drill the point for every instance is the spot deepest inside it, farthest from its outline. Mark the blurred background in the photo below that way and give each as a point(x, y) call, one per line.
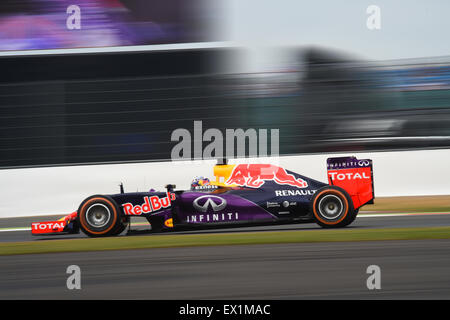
point(85, 109)
point(43, 24)
point(315, 72)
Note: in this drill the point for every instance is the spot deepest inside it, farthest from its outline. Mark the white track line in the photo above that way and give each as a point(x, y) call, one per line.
point(14, 229)
point(362, 215)
point(375, 215)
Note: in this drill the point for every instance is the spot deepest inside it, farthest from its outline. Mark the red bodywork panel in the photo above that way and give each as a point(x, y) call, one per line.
point(354, 176)
point(49, 227)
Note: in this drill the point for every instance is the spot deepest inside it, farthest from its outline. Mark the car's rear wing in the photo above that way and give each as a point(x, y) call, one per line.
point(353, 175)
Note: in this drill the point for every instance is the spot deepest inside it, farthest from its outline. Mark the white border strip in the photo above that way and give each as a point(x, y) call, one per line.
point(15, 229)
point(140, 48)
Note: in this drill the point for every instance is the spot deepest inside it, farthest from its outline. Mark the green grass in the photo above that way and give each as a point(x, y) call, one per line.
point(244, 238)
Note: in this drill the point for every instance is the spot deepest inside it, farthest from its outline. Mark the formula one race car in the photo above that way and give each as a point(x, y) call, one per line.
point(241, 194)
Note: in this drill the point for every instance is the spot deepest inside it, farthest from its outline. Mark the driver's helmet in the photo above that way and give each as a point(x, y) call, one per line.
point(200, 182)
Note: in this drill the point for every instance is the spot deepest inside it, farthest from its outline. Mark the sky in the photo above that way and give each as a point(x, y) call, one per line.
point(409, 28)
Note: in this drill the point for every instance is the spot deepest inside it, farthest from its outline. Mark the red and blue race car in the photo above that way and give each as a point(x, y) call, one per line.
point(241, 194)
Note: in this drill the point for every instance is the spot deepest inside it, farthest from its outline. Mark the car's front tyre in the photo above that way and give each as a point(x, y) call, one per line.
point(99, 216)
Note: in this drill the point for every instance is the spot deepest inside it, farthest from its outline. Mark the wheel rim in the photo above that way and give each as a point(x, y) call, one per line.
point(98, 215)
point(331, 207)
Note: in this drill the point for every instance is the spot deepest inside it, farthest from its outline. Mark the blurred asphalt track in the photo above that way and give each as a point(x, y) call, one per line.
point(410, 269)
point(361, 222)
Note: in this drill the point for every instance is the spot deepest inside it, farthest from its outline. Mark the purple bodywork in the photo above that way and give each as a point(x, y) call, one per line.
point(229, 205)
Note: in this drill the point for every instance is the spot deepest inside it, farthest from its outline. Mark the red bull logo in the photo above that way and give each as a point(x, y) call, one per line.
point(151, 204)
point(255, 175)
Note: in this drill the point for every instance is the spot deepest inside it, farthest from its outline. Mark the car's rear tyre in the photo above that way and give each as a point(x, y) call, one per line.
point(332, 207)
point(99, 216)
